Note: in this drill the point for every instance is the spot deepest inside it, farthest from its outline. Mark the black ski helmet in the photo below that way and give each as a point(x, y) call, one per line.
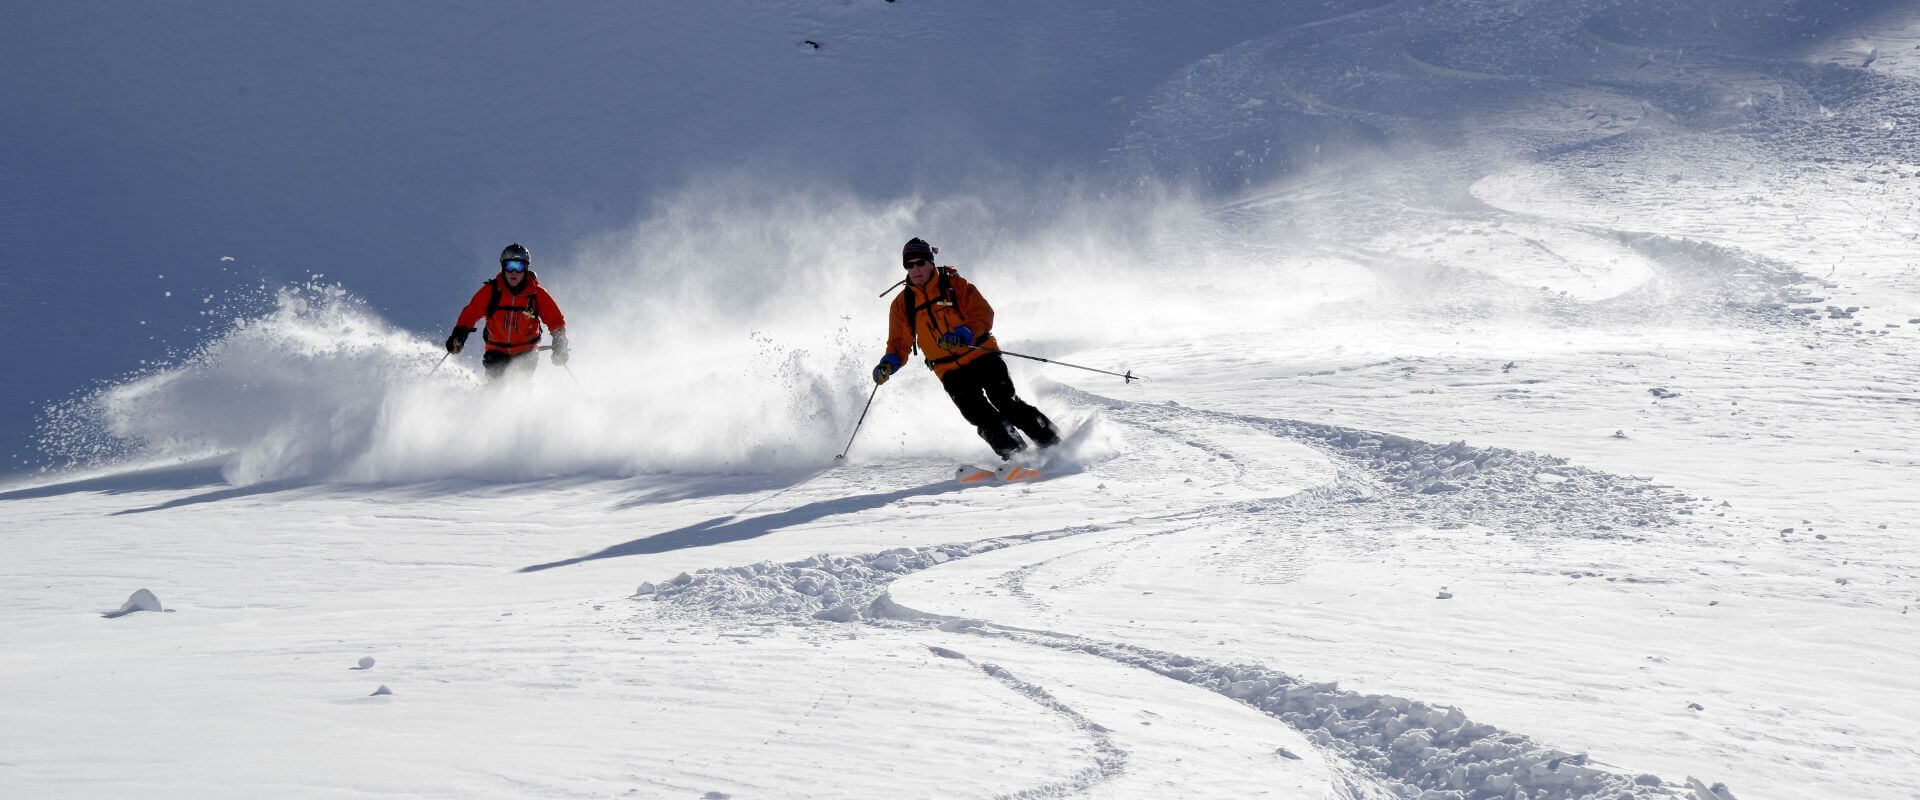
point(514, 252)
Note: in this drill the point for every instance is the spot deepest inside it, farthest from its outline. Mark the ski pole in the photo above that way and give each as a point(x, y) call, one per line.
point(436, 366)
point(576, 381)
point(1129, 376)
point(856, 425)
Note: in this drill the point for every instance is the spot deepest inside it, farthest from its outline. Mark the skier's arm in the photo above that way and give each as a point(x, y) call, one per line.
point(899, 339)
point(550, 313)
point(974, 309)
point(475, 310)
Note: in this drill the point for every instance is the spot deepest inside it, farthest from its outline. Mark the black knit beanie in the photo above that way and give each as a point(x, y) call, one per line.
point(916, 248)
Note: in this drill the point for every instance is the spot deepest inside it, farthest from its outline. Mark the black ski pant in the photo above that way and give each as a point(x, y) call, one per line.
point(498, 363)
point(983, 391)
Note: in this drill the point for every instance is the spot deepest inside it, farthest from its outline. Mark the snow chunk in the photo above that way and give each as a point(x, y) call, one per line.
point(141, 600)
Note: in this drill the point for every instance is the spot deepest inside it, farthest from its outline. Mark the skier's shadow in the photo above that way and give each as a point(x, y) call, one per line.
point(729, 528)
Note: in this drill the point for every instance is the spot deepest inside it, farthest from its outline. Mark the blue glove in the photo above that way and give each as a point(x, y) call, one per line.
point(885, 369)
point(957, 338)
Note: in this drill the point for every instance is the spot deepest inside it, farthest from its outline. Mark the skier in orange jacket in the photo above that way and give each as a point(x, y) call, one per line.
point(946, 319)
point(514, 306)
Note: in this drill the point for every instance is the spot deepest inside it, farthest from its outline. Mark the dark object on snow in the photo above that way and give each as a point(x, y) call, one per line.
point(1662, 393)
point(816, 45)
point(1510, 366)
point(380, 691)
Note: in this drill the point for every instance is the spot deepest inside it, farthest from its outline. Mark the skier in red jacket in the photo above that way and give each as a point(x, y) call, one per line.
point(514, 307)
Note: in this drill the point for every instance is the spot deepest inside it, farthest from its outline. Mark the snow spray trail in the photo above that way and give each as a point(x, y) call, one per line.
point(730, 331)
point(1407, 746)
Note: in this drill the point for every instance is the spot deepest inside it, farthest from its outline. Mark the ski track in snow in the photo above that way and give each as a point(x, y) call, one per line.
point(1409, 746)
point(1109, 760)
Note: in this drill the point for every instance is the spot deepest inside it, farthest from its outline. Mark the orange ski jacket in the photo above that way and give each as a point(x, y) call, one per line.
point(513, 317)
point(920, 315)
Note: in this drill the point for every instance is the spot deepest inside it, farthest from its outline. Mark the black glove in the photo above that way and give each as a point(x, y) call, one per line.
point(458, 340)
point(560, 350)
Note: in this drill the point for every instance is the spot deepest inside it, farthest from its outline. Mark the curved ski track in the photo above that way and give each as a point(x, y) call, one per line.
point(1402, 746)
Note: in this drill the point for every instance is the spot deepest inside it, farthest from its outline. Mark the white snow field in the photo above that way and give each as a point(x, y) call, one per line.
point(1529, 412)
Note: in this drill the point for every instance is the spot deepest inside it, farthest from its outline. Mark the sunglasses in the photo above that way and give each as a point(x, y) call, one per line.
point(918, 262)
point(514, 265)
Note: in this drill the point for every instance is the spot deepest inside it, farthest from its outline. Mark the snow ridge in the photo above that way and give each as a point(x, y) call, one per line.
point(1418, 750)
point(1492, 486)
point(1414, 749)
point(1109, 762)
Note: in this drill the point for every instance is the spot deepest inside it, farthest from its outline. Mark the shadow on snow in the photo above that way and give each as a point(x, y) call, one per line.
point(721, 530)
point(194, 475)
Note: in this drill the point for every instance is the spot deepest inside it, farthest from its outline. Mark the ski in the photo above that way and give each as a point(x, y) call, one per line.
point(1006, 473)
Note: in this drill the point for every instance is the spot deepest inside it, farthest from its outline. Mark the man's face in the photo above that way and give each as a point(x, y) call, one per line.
point(514, 279)
point(919, 271)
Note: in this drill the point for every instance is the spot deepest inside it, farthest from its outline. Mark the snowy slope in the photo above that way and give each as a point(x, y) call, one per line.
point(1528, 415)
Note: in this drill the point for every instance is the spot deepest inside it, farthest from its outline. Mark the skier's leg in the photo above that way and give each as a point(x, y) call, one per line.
point(499, 364)
point(495, 362)
point(998, 386)
point(522, 365)
point(987, 421)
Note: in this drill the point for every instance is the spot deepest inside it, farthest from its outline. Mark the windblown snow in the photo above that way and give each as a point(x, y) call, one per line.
point(1528, 413)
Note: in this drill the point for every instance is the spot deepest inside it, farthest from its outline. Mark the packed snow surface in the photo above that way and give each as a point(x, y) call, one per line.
point(1528, 414)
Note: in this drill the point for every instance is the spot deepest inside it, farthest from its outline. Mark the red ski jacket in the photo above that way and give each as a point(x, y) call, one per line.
point(513, 315)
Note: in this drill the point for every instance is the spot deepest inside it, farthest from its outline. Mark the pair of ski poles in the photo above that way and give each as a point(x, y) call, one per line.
point(1128, 375)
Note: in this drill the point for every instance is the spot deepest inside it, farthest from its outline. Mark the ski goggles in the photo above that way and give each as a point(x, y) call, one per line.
point(514, 265)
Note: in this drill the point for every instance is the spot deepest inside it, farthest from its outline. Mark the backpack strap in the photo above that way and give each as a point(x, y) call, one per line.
point(494, 307)
point(909, 311)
